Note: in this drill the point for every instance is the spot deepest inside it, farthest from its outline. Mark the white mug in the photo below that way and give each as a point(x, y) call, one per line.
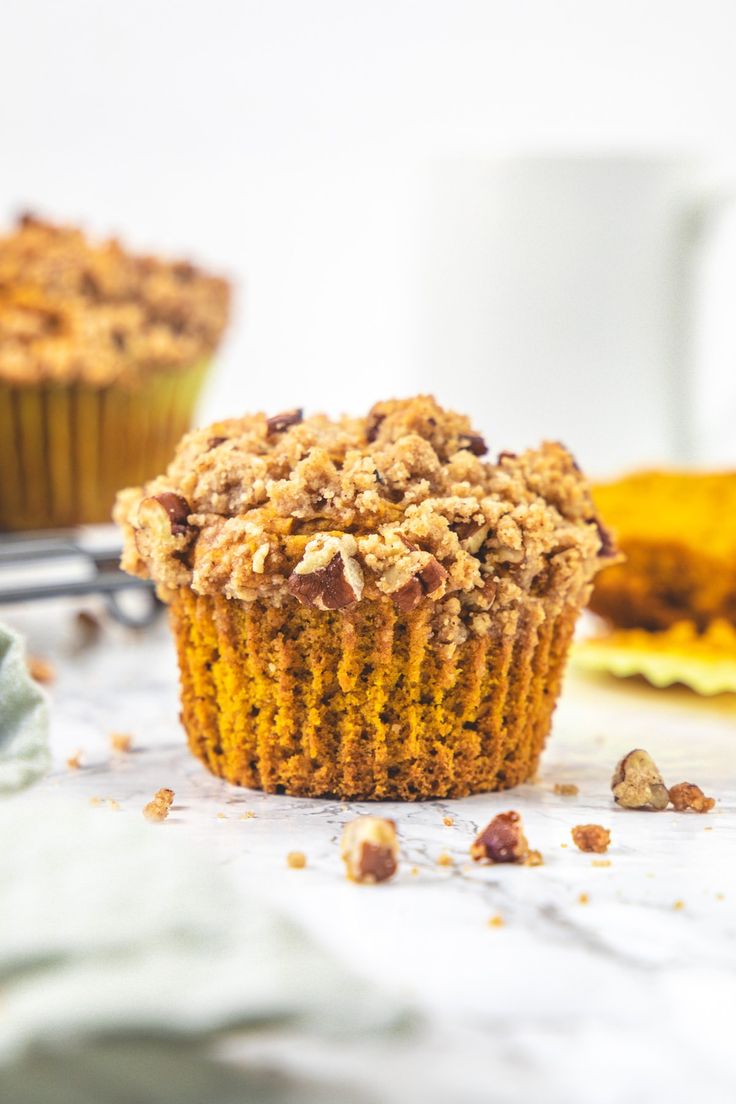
point(555, 300)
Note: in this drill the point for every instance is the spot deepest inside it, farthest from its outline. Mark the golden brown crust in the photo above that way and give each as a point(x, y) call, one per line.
point(76, 310)
point(396, 504)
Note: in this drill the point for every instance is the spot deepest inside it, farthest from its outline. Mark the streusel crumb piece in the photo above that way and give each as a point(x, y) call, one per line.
point(158, 808)
point(591, 837)
point(687, 796)
point(566, 789)
point(121, 742)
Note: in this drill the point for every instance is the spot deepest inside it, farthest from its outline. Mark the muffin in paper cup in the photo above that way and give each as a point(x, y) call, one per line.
point(366, 608)
point(102, 357)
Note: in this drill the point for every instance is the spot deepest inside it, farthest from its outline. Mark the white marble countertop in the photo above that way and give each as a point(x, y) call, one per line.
point(626, 995)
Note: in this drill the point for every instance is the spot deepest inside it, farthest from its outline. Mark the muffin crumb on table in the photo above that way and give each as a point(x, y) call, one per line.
point(591, 837)
point(121, 742)
point(41, 670)
point(158, 808)
point(296, 860)
point(687, 796)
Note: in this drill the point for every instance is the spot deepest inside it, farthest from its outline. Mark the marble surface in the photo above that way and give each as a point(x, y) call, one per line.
point(630, 994)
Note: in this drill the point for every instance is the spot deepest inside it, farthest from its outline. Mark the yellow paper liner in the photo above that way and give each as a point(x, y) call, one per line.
point(706, 662)
point(362, 704)
point(65, 450)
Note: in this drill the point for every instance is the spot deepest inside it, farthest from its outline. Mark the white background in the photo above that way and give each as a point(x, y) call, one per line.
point(280, 141)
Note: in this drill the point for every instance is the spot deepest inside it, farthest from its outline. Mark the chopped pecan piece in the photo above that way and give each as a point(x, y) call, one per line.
point(373, 428)
point(474, 443)
point(279, 423)
point(686, 795)
point(637, 784)
point(328, 576)
point(162, 517)
point(591, 837)
point(608, 545)
point(215, 442)
point(370, 849)
point(503, 841)
point(426, 581)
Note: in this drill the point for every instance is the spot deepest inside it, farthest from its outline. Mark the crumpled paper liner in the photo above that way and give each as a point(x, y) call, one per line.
point(66, 449)
point(364, 704)
point(706, 662)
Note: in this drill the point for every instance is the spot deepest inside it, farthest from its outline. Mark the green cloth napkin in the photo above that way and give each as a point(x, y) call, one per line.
point(24, 718)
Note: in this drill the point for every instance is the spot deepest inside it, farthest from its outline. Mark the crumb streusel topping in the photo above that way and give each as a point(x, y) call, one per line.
point(400, 503)
point(72, 309)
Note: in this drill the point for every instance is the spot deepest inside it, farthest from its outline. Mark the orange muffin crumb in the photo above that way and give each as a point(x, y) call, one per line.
point(296, 860)
point(41, 670)
point(591, 837)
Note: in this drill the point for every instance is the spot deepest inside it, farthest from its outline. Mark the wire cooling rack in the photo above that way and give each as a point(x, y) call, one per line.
point(62, 563)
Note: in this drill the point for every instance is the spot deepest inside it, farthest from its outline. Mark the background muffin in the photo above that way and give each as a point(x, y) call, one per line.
point(102, 356)
point(365, 607)
point(677, 530)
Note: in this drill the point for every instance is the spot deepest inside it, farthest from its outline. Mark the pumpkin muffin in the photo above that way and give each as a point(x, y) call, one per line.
point(677, 530)
point(102, 356)
point(366, 607)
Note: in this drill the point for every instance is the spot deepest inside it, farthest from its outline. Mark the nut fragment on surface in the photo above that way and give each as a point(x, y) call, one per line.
point(296, 860)
point(566, 789)
point(503, 841)
point(158, 807)
point(686, 795)
point(637, 783)
point(370, 849)
point(328, 576)
point(40, 670)
point(591, 837)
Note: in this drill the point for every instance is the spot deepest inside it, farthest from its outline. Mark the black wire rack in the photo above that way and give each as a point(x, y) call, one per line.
point(74, 562)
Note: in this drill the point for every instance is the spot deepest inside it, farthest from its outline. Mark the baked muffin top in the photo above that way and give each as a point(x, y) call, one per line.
point(686, 509)
point(401, 503)
point(76, 310)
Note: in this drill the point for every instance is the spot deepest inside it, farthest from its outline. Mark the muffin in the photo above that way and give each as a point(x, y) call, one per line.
point(677, 530)
point(102, 356)
point(365, 607)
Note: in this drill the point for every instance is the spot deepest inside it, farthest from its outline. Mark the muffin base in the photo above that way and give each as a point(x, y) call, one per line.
point(66, 449)
point(362, 704)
